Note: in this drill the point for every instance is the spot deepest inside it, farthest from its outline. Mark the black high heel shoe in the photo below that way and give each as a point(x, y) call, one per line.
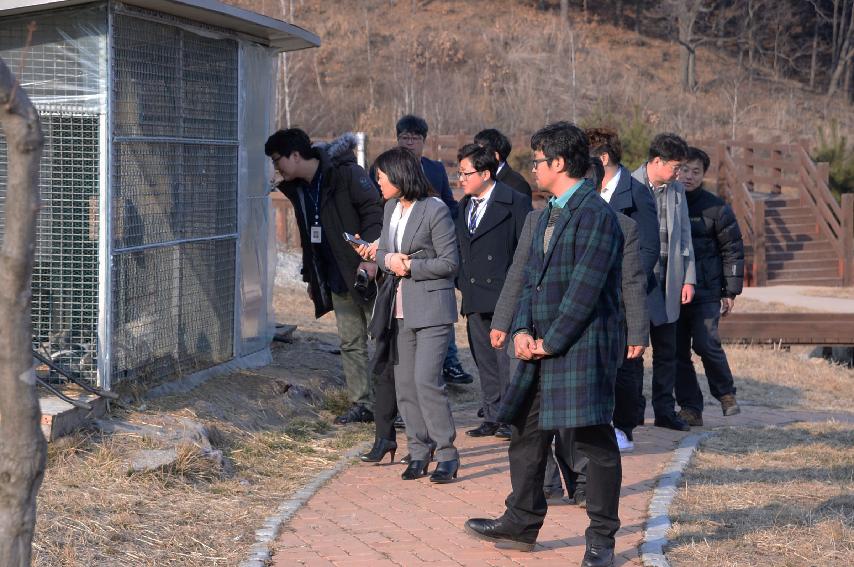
point(416, 469)
point(379, 450)
point(408, 457)
point(445, 471)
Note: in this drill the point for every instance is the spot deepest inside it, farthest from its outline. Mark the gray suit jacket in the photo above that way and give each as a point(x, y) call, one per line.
point(633, 281)
point(634, 285)
point(429, 297)
point(680, 254)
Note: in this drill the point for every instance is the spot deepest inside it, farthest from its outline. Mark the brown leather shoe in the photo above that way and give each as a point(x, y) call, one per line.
point(729, 405)
point(691, 417)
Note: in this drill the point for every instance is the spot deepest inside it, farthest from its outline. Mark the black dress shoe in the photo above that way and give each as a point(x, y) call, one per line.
point(356, 414)
point(498, 533)
point(408, 457)
point(486, 429)
point(598, 556)
point(672, 421)
point(445, 471)
point(415, 469)
point(503, 432)
point(379, 450)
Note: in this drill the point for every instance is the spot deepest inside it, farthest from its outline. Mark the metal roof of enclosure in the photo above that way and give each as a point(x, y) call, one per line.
point(266, 31)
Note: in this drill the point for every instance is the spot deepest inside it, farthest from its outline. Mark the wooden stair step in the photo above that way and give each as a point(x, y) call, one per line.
point(802, 263)
point(822, 255)
point(824, 282)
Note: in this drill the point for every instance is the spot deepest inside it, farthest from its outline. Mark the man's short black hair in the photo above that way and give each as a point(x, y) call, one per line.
point(412, 124)
point(404, 171)
point(494, 141)
point(286, 142)
point(566, 140)
point(696, 154)
point(596, 173)
point(482, 158)
point(668, 147)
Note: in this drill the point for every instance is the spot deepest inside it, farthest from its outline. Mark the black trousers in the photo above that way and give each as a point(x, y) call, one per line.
point(530, 447)
point(493, 365)
point(663, 340)
point(698, 329)
point(385, 403)
point(629, 402)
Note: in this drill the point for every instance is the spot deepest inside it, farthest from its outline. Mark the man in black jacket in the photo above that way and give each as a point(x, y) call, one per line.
point(488, 228)
point(497, 142)
point(719, 258)
point(331, 194)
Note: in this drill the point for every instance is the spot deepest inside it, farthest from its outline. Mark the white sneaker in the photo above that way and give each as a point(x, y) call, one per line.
point(625, 445)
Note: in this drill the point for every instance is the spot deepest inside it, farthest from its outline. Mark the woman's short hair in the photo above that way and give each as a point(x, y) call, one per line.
point(404, 171)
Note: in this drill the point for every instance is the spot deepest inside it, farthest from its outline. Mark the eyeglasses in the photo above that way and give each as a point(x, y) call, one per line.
point(275, 160)
point(536, 162)
point(464, 175)
point(409, 139)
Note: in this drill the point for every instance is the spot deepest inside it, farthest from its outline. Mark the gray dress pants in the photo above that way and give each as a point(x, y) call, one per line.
point(421, 396)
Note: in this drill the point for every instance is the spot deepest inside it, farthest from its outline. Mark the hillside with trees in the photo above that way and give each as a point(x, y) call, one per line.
point(772, 69)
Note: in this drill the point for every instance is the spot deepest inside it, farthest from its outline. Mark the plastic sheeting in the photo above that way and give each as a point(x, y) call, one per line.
point(65, 64)
point(257, 255)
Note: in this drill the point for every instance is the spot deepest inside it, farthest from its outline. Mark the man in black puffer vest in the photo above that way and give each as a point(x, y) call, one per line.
point(719, 258)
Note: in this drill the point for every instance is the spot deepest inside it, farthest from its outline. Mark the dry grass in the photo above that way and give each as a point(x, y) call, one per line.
point(273, 427)
point(775, 496)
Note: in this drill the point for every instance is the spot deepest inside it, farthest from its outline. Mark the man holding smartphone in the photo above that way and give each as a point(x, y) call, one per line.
point(331, 194)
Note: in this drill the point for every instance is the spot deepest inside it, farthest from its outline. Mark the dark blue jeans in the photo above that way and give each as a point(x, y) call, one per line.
point(451, 357)
point(698, 329)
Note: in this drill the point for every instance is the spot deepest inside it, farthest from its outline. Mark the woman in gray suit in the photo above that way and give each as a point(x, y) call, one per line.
point(418, 244)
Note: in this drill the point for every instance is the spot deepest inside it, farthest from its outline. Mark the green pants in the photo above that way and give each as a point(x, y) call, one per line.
point(352, 319)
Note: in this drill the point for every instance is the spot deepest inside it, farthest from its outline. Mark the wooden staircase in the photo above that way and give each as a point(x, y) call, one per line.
point(795, 232)
point(796, 252)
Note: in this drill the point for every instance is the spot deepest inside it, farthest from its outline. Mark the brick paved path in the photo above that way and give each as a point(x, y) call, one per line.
point(368, 516)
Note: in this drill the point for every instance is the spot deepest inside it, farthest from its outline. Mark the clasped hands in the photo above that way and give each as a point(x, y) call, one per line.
point(399, 264)
point(528, 348)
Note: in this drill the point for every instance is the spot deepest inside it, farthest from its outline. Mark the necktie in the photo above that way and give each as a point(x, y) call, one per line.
point(475, 203)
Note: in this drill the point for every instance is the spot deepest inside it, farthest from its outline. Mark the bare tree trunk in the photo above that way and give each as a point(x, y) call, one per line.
point(564, 12)
point(846, 51)
point(369, 58)
point(637, 15)
point(814, 55)
point(23, 449)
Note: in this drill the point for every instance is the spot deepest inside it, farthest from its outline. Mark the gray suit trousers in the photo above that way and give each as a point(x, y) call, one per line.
point(421, 396)
point(493, 365)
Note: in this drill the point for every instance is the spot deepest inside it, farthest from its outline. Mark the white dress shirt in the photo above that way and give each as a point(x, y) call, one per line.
point(481, 209)
point(611, 186)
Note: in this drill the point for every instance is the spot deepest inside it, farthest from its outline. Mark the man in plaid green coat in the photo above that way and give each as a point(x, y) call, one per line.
point(570, 334)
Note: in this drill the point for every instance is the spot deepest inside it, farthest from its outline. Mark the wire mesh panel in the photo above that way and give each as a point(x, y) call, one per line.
point(61, 70)
point(174, 199)
point(173, 310)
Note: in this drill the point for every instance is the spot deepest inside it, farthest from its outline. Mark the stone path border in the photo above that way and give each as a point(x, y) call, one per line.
point(262, 551)
point(658, 524)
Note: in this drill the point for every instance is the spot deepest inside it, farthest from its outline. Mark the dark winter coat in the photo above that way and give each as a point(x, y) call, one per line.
point(718, 247)
point(349, 202)
point(487, 254)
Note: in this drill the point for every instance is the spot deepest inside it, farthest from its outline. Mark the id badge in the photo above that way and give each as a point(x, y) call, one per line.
point(315, 235)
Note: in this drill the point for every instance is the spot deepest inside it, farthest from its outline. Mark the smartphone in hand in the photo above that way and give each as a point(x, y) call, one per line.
point(357, 241)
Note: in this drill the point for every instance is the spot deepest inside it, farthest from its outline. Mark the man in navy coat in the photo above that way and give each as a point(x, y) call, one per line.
point(411, 134)
point(628, 196)
point(488, 228)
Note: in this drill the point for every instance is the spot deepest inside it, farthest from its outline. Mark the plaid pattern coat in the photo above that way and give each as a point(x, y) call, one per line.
point(571, 299)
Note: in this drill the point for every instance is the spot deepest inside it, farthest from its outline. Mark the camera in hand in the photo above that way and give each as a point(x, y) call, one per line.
point(362, 280)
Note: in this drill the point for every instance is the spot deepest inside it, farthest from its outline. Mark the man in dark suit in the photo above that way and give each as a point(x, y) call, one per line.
point(570, 334)
point(497, 142)
point(488, 228)
point(630, 197)
point(412, 134)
